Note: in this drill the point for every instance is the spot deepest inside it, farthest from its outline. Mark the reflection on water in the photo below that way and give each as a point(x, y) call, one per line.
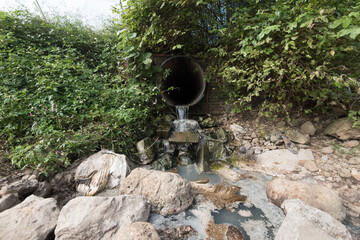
point(191, 173)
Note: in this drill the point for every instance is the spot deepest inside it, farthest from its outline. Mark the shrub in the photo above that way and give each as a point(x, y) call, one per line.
point(61, 93)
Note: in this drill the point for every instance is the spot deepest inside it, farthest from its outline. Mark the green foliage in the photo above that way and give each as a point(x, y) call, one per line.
point(61, 93)
point(287, 55)
point(293, 54)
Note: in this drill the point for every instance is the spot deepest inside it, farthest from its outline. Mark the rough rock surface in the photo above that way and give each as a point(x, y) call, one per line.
point(281, 161)
point(34, 218)
point(308, 128)
point(8, 201)
point(137, 231)
point(167, 192)
point(323, 198)
point(179, 233)
point(298, 137)
point(342, 129)
point(145, 149)
point(311, 166)
point(100, 217)
point(104, 169)
point(22, 188)
point(304, 222)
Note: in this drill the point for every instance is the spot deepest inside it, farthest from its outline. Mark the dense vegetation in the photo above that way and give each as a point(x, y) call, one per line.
point(289, 55)
point(67, 90)
point(63, 93)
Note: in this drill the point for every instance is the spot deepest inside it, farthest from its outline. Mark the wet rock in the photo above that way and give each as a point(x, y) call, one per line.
point(308, 128)
point(164, 162)
point(351, 144)
point(203, 157)
point(137, 231)
point(221, 195)
point(220, 134)
point(217, 150)
point(223, 231)
point(22, 188)
point(323, 198)
point(208, 123)
point(104, 169)
point(311, 166)
point(145, 149)
point(256, 229)
point(167, 192)
point(8, 201)
point(245, 213)
point(343, 130)
point(184, 159)
point(179, 233)
point(350, 195)
point(304, 222)
point(163, 131)
point(86, 218)
point(327, 150)
point(186, 125)
point(34, 218)
point(229, 174)
point(297, 137)
point(233, 233)
point(184, 137)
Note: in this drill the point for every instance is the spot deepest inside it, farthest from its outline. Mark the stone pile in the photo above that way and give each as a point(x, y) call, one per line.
point(315, 183)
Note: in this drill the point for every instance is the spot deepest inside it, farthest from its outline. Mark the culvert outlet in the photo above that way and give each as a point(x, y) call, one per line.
point(181, 81)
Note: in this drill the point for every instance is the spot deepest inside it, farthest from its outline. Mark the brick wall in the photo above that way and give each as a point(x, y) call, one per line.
point(212, 102)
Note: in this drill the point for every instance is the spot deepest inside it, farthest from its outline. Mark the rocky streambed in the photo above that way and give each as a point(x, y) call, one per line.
point(278, 184)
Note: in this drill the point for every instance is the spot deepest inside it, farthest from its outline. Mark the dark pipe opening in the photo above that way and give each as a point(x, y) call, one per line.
point(182, 81)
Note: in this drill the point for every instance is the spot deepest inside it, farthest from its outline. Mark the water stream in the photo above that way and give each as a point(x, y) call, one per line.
point(182, 114)
point(257, 218)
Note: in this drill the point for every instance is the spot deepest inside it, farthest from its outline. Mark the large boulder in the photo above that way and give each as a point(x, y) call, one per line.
point(167, 192)
point(34, 218)
point(282, 161)
point(104, 169)
point(138, 231)
point(85, 218)
point(342, 129)
point(323, 198)
point(303, 222)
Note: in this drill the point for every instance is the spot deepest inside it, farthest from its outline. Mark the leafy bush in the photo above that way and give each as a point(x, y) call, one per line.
point(289, 55)
point(61, 93)
point(294, 54)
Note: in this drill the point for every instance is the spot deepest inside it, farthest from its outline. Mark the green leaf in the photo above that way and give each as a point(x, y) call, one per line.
point(355, 14)
point(335, 23)
point(178, 46)
point(147, 61)
point(346, 22)
point(355, 32)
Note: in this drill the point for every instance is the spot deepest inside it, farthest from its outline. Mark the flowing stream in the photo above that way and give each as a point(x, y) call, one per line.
point(257, 218)
point(182, 113)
